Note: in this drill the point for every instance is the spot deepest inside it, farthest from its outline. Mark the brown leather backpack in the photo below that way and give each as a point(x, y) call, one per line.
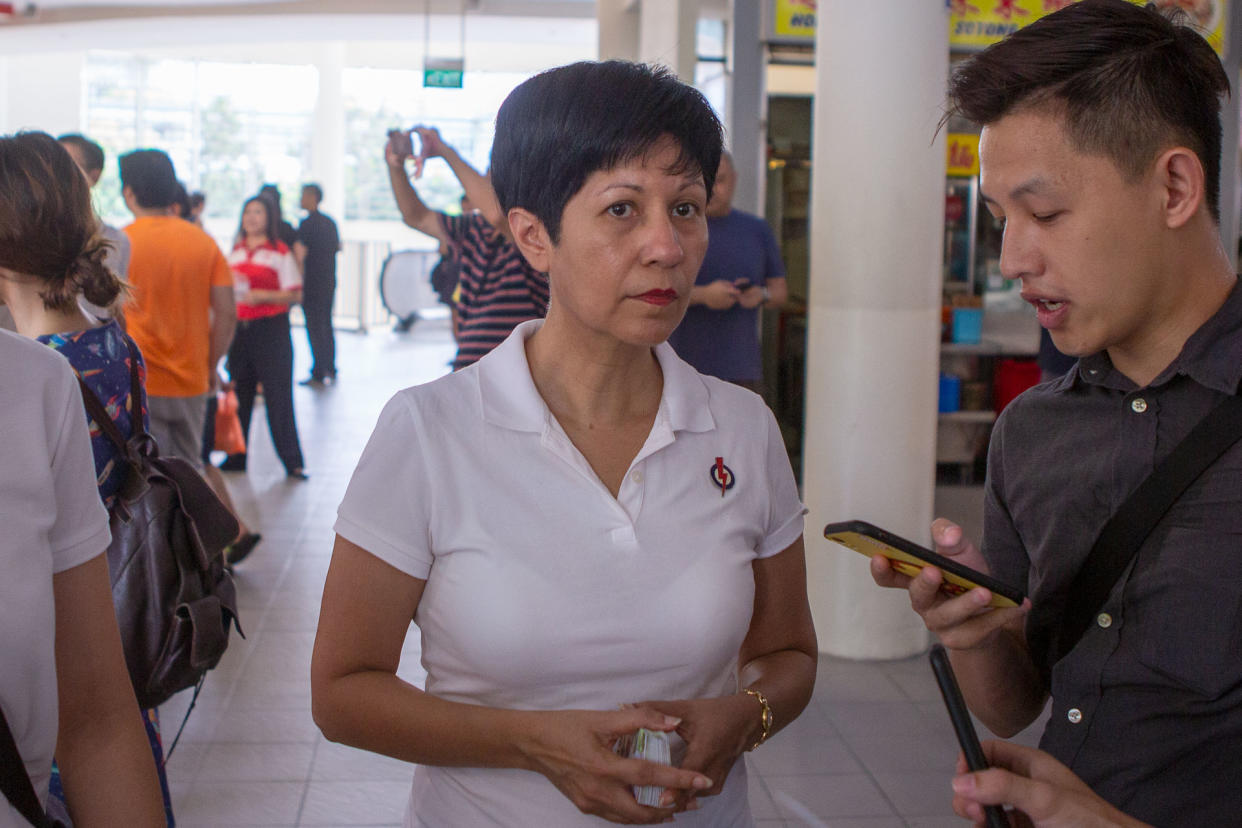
point(174, 600)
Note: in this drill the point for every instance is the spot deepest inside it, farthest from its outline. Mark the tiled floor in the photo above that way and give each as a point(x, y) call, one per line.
point(873, 750)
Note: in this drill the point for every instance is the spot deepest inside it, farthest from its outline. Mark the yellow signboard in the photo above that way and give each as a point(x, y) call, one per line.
point(795, 19)
point(974, 24)
point(963, 155)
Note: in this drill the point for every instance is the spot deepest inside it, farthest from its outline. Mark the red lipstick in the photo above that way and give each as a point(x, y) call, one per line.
point(658, 297)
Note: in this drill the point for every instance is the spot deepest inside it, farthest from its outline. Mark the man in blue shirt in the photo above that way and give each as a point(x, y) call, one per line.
point(741, 272)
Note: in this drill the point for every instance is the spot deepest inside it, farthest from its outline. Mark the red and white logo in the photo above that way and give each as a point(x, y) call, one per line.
point(722, 476)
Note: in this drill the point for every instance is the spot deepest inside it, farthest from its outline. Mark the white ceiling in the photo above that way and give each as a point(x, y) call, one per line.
point(68, 25)
point(59, 10)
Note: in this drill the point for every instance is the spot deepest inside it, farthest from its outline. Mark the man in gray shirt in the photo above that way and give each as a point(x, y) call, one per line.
point(90, 159)
point(1101, 152)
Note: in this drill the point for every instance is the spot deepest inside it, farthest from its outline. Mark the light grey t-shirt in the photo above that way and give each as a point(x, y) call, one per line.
point(118, 257)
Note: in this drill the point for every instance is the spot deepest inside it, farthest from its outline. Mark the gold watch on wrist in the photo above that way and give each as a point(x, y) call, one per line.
point(765, 716)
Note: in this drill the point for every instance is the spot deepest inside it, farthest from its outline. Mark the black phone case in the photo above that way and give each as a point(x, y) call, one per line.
point(925, 554)
point(967, 738)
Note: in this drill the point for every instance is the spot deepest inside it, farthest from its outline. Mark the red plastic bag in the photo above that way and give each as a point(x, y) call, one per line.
point(229, 437)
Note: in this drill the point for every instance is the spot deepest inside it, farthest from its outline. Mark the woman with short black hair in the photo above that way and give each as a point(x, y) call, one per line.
point(592, 537)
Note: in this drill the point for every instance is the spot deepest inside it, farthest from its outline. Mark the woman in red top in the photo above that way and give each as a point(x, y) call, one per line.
point(267, 282)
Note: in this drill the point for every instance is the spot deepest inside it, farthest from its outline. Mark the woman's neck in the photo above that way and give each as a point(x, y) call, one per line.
point(252, 241)
point(33, 318)
point(594, 384)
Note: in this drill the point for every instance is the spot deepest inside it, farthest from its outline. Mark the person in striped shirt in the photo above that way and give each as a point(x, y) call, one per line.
point(498, 288)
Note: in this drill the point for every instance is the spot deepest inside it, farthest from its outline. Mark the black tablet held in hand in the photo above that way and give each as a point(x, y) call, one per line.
point(963, 726)
point(909, 558)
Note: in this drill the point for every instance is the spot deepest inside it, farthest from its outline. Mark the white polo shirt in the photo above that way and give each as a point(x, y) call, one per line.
point(544, 591)
point(52, 520)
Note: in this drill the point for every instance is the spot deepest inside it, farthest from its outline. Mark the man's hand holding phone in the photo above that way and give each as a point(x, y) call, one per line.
point(430, 146)
point(1045, 793)
point(717, 295)
point(398, 147)
point(962, 622)
point(750, 295)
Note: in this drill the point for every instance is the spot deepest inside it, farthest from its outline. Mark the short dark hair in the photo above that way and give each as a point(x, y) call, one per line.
point(1129, 81)
point(557, 128)
point(271, 194)
point(92, 153)
point(149, 173)
point(182, 201)
point(314, 188)
point(48, 229)
point(197, 199)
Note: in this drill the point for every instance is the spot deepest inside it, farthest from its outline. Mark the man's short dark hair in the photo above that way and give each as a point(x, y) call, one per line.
point(559, 127)
point(92, 153)
point(149, 173)
point(314, 188)
point(1129, 82)
point(182, 201)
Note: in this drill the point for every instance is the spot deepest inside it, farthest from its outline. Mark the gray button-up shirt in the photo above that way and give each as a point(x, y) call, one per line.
point(1148, 707)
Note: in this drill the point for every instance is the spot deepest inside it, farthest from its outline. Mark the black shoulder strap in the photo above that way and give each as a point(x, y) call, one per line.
point(18, 789)
point(1128, 528)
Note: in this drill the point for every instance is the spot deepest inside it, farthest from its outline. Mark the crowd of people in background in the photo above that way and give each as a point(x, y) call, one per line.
point(161, 301)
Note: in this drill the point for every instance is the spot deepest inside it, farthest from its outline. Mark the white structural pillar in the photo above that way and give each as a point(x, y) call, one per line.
point(618, 29)
point(746, 105)
point(877, 209)
point(4, 96)
point(328, 146)
point(1230, 184)
point(666, 35)
point(43, 92)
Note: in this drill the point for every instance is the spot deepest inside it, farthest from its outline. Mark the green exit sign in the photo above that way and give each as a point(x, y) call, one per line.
point(443, 73)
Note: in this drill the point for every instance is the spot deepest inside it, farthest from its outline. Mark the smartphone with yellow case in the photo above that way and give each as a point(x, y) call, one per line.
point(909, 558)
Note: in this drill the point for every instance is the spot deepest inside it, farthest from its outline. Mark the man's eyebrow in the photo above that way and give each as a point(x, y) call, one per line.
point(1032, 186)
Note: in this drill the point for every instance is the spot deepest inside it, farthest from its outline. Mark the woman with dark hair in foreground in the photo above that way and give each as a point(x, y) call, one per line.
point(64, 683)
point(592, 537)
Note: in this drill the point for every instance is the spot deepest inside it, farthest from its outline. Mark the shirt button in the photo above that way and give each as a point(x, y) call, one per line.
point(1074, 715)
point(1138, 405)
point(1104, 620)
point(637, 477)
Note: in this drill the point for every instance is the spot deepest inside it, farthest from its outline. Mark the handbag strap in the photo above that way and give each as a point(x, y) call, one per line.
point(1128, 528)
point(18, 789)
point(99, 415)
point(137, 392)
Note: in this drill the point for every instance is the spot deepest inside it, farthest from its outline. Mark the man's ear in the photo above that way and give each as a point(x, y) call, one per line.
point(1180, 174)
point(127, 195)
point(531, 237)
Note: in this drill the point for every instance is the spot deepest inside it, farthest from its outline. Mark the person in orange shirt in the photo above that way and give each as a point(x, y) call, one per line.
point(181, 312)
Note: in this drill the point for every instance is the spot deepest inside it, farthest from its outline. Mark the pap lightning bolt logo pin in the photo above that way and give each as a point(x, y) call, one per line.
point(722, 476)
